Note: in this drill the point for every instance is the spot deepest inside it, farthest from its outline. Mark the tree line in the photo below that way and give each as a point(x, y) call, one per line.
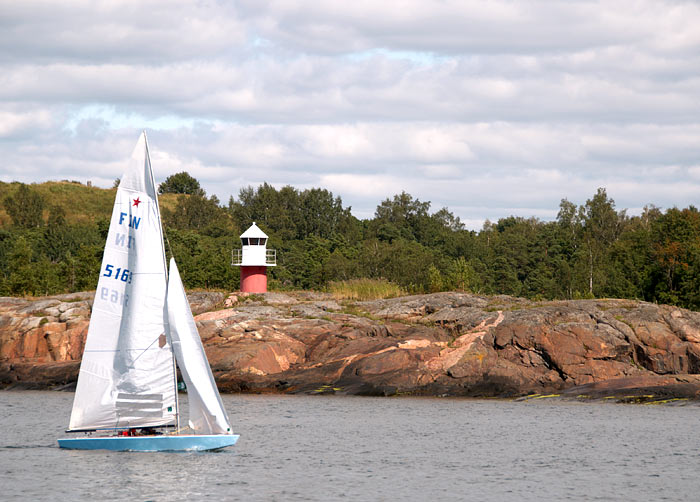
point(591, 250)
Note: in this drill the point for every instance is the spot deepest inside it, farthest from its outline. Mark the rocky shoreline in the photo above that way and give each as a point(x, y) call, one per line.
point(442, 344)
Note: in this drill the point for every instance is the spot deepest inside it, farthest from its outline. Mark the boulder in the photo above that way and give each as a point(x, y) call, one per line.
point(439, 344)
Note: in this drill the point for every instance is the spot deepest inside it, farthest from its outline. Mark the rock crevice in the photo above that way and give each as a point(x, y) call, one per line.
point(438, 344)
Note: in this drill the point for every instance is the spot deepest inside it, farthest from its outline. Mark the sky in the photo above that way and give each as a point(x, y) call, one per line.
point(490, 109)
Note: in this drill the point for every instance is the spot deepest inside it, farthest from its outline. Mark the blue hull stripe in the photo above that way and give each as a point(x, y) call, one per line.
point(150, 443)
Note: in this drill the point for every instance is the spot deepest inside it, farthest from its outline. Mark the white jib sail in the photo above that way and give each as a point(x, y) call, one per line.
point(126, 376)
point(207, 413)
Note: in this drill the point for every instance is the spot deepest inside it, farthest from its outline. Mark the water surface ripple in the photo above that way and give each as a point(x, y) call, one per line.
point(353, 448)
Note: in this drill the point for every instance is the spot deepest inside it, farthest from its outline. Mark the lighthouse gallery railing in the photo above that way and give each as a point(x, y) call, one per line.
point(270, 257)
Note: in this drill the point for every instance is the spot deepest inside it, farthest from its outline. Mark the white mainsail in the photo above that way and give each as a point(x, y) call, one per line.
point(206, 411)
point(127, 375)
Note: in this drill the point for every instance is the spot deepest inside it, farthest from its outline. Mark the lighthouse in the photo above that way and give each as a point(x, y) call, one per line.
point(254, 258)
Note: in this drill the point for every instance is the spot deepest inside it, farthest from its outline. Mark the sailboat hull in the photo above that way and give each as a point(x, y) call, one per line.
point(151, 443)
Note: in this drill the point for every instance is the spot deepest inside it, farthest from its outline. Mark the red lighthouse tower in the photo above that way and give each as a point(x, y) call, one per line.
point(254, 258)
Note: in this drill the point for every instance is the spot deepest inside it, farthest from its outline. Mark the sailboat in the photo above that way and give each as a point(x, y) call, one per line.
point(142, 329)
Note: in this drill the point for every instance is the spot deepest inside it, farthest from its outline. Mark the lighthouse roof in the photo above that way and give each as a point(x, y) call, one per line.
point(253, 231)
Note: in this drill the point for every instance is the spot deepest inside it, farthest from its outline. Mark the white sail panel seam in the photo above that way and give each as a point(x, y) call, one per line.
point(113, 314)
point(116, 249)
point(121, 355)
point(131, 190)
point(94, 374)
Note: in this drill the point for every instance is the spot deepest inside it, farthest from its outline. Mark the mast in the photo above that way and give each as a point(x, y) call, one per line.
point(165, 270)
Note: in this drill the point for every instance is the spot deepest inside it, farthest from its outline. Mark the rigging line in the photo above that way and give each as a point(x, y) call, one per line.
point(165, 236)
point(165, 269)
point(169, 336)
point(146, 349)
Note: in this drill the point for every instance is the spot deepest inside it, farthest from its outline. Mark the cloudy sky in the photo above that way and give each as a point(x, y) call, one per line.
point(489, 108)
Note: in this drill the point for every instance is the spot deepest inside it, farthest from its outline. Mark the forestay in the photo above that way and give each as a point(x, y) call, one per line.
point(127, 376)
point(206, 411)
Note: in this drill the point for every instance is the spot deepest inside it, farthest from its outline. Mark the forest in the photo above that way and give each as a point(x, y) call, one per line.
point(52, 235)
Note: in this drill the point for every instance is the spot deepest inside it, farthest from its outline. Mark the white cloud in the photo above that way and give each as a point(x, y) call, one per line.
point(490, 109)
point(113, 31)
point(14, 123)
point(438, 144)
point(335, 141)
point(441, 171)
point(360, 185)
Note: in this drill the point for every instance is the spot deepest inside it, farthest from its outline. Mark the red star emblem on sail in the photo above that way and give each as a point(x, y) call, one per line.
point(137, 202)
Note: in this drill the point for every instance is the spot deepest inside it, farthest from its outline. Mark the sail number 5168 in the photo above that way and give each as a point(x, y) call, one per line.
point(119, 274)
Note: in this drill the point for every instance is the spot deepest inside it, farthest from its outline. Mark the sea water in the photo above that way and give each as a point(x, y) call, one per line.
point(354, 448)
